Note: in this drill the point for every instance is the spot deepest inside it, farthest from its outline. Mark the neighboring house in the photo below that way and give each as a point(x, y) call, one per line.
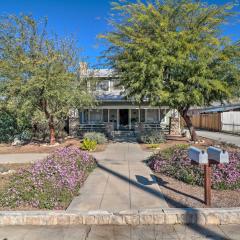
point(114, 111)
point(225, 118)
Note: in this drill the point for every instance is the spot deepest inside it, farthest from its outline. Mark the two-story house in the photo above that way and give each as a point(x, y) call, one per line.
point(114, 109)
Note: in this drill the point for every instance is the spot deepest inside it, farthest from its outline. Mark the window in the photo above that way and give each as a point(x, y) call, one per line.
point(142, 115)
point(152, 115)
point(103, 85)
point(115, 86)
point(105, 115)
point(95, 116)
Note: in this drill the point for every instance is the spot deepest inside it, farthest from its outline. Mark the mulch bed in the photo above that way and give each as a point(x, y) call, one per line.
point(43, 148)
point(181, 195)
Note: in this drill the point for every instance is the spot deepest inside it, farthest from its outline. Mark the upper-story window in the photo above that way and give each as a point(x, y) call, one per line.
point(108, 85)
point(115, 85)
point(103, 85)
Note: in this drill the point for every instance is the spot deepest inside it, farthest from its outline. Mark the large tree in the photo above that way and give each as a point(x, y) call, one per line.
point(172, 52)
point(39, 73)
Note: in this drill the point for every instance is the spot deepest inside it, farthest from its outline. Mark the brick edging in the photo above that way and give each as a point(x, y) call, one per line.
point(200, 216)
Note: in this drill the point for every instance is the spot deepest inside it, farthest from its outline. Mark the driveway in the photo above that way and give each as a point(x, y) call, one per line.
point(222, 137)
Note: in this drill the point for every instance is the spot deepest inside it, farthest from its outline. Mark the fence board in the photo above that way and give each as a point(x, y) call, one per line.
point(211, 122)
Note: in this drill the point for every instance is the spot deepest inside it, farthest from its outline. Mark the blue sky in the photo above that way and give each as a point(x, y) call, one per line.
point(83, 18)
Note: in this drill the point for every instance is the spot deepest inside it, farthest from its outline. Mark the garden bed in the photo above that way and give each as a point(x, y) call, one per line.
point(50, 183)
point(182, 195)
point(182, 183)
point(43, 148)
point(172, 141)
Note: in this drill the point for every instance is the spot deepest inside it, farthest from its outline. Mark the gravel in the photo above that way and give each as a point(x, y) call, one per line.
point(182, 195)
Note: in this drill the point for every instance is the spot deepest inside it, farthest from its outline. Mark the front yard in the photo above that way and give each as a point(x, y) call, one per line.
point(182, 183)
point(47, 184)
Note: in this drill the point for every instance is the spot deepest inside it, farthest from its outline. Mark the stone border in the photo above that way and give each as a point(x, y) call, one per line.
point(201, 216)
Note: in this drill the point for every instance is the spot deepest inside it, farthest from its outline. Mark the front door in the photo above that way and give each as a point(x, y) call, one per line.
point(123, 118)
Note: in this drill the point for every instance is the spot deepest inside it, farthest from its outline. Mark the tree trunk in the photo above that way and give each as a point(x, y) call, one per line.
point(190, 126)
point(50, 119)
point(52, 130)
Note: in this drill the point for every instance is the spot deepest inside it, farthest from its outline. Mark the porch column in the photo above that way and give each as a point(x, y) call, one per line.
point(82, 117)
point(159, 115)
point(129, 120)
point(117, 119)
point(139, 115)
point(108, 115)
point(146, 115)
point(88, 116)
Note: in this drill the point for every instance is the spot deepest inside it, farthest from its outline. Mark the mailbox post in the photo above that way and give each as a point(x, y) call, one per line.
point(207, 184)
point(212, 156)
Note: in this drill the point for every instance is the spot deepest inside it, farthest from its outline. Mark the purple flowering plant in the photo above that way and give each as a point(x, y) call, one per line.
point(174, 162)
point(50, 183)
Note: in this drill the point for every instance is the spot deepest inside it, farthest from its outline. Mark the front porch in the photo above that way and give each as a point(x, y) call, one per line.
point(125, 117)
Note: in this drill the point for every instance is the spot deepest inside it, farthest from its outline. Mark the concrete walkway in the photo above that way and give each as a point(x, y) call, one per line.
point(21, 157)
point(121, 182)
point(152, 232)
point(222, 137)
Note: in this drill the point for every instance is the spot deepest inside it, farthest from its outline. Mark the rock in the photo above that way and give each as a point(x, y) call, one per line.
point(185, 133)
point(8, 172)
point(17, 142)
point(48, 145)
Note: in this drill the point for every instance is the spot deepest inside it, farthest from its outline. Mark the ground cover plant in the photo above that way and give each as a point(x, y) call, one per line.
point(174, 162)
point(50, 183)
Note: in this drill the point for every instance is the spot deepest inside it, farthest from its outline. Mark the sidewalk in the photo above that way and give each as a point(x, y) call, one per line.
point(121, 182)
point(147, 232)
point(21, 157)
point(219, 136)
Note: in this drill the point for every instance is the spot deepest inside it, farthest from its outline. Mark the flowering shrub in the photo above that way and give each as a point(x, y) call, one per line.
point(175, 162)
point(50, 183)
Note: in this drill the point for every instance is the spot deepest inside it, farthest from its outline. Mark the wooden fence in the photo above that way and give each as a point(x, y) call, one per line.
point(211, 122)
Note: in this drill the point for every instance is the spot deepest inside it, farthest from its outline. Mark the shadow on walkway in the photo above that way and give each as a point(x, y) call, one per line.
point(195, 227)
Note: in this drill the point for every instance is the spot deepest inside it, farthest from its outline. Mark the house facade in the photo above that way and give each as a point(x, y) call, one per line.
point(114, 111)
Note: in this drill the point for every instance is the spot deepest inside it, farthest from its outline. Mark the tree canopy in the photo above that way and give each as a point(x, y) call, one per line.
point(39, 73)
point(172, 53)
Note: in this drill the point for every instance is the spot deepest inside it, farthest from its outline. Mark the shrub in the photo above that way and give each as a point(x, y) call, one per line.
point(151, 137)
point(25, 135)
point(89, 145)
point(99, 138)
point(175, 162)
point(50, 183)
point(8, 126)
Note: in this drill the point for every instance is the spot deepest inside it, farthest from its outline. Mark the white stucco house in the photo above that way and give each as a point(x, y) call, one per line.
point(114, 110)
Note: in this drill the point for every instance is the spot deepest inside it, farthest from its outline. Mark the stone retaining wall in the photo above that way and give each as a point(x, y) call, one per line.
point(145, 217)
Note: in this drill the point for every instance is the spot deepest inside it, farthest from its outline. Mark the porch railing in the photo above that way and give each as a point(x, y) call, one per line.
point(152, 126)
point(103, 127)
point(92, 127)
